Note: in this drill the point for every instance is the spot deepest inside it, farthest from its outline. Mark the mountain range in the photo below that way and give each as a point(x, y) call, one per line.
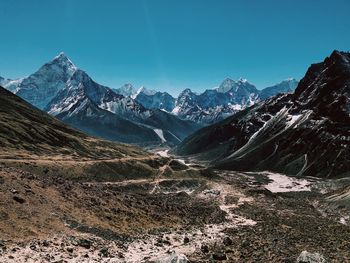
point(302, 133)
point(213, 104)
point(68, 93)
point(129, 115)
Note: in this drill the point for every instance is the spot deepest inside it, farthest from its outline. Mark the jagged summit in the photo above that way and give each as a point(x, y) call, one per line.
point(62, 60)
point(243, 80)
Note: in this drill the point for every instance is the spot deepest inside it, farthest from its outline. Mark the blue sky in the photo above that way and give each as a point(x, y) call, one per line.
point(173, 44)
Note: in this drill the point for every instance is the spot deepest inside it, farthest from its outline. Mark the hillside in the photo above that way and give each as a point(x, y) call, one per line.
point(304, 133)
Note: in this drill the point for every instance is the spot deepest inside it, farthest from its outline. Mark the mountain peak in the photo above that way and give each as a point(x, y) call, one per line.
point(63, 60)
point(186, 92)
point(127, 90)
point(226, 85)
point(342, 57)
point(242, 80)
point(146, 91)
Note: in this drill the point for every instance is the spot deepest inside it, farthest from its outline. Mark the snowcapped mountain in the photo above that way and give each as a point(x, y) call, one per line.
point(145, 91)
point(231, 96)
point(127, 90)
point(10, 84)
point(216, 104)
point(62, 89)
point(68, 93)
point(81, 86)
point(285, 86)
point(42, 86)
point(302, 133)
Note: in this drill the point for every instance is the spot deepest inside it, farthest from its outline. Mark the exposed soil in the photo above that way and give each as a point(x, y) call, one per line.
point(204, 215)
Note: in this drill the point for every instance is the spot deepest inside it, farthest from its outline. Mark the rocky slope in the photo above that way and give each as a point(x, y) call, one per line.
point(25, 130)
point(303, 133)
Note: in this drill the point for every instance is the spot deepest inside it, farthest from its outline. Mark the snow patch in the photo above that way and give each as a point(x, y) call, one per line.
point(282, 183)
point(163, 153)
point(160, 134)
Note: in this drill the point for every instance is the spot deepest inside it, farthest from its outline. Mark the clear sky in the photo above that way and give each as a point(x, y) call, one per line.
point(173, 44)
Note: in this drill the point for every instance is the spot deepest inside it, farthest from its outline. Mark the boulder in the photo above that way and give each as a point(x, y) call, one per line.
point(173, 258)
point(307, 257)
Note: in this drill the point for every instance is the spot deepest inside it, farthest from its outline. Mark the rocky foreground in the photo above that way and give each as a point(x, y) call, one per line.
point(195, 216)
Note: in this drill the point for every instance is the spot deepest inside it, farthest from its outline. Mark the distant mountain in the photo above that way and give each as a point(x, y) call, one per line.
point(58, 87)
point(302, 133)
point(68, 93)
point(145, 91)
point(10, 84)
point(158, 100)
point(88, 117)
point(127, 90)
point(42, 86)
point(81, 86)
point(217, 104)
point(285, 86)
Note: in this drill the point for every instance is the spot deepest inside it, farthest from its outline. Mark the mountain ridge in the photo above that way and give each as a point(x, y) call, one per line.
point(296, 133)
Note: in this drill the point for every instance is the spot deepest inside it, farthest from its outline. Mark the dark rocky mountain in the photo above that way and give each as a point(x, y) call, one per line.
point(302, 133)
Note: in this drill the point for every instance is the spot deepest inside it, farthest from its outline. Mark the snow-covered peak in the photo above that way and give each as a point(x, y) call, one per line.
point(62, 60)
point(79, 76)
point(146, 91)
point(127, 90)
point(226, 85)
point(242, 80)
point(186, 92)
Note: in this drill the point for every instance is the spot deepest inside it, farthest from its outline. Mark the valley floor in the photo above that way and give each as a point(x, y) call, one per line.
point(177, 213)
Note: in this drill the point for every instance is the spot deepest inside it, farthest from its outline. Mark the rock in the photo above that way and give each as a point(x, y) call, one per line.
point(19, 199)
point(177, 165)
point(4, 215)
point(219, 256)
point(2, 245)
point(246, 243)
point(104, 252)
point(2, 180)
point(211, 192)
point(173, 258)
point(205, 249)
point(32, 247)
point(186, 240)
point(227, 241)
point(70, 249)
point(46, 243)
point(85, 243)
point(307, 257)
